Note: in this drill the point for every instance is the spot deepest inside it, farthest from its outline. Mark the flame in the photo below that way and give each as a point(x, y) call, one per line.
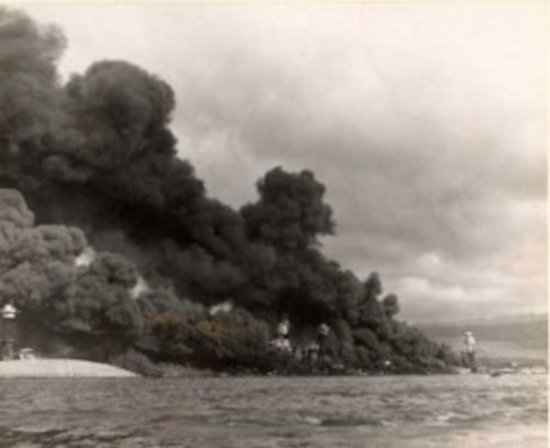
point(222, 307)
point(86, 257)
point(140, 286)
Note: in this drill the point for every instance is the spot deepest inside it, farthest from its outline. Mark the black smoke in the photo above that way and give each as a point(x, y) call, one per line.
point(97, 153)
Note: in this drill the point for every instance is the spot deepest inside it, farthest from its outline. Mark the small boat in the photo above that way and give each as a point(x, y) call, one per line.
point(503, 371)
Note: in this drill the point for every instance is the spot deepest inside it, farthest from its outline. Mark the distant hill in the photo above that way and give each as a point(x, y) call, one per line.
point(519, 339)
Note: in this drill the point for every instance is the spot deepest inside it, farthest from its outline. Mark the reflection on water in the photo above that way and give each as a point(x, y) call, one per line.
point(405, 411)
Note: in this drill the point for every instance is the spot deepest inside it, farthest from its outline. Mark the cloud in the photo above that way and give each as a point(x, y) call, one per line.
point(426, 122)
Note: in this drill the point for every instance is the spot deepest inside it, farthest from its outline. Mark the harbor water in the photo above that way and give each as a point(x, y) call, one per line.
point(392, 411)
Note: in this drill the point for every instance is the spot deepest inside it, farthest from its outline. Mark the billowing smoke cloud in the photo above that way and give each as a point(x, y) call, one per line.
point(105, 134)
point(98, 154)
point(48, 268)
point(30, 106)
point(35, 262)
point(291, 212)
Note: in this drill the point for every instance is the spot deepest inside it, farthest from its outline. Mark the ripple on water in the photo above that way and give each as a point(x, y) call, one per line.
point(398, 411)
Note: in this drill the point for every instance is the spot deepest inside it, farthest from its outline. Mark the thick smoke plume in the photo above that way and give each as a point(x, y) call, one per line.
point(105, 134)
point(40, 273)
point(97, 153)
point(35, 262)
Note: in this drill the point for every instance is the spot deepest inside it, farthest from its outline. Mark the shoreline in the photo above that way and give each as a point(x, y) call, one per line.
point(61, 368)
point(78, 368)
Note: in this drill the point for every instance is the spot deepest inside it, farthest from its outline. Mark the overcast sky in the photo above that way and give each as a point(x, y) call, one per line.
point(425, 120)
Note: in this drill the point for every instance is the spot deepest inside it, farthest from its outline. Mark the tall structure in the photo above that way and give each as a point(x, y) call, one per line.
point(469, 353)
point(8, 313)
point(282, 341)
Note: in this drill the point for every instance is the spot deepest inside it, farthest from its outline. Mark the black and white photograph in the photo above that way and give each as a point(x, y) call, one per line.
point(295, 224)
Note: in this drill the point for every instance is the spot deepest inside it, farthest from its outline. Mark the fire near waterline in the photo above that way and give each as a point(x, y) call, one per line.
point(111, 247)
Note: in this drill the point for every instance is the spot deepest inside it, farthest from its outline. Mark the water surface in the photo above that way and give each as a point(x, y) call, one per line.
point(266, 412)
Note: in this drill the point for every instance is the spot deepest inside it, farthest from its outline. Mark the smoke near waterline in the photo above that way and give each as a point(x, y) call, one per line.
point(102, 157)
